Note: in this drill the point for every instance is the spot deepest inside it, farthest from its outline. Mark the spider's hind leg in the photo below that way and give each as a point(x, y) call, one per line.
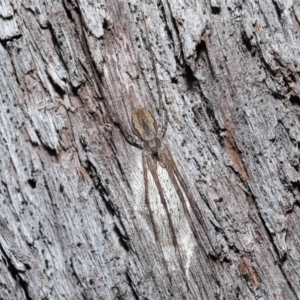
point(180, 184)
point(147, 200)
point(153, 169)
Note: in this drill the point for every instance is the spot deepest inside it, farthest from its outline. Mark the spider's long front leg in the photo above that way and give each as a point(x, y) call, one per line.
point(162, 112)
point(115, 118)
point(130, 138)
point(177, 180)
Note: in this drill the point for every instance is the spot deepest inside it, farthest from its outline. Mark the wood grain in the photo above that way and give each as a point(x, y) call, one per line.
point(74, 220)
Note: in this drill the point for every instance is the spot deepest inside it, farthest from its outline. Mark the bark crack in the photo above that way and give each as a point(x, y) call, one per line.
point(15, 273)
point(269, 234)
point(131, 284)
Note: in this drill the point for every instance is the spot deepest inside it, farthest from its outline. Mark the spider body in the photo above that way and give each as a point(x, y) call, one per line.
point(144, 126)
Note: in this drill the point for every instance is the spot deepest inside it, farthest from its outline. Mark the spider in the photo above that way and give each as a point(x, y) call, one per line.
point(147, 135)
point(144, 126)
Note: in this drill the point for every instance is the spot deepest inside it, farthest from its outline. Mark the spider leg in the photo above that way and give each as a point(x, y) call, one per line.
point(162, 112)
point(153, 169)
point(131, 139)
point(171, 173)
point(147, 200)
point(177, 180)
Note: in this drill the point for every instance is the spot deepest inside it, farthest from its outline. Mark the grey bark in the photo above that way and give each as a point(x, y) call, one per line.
point(74, 222)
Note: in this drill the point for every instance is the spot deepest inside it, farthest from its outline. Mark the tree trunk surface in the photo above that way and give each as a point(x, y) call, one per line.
point(149, 149)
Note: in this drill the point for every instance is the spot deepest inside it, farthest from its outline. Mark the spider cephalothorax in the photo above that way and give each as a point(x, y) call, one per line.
point(144, 126)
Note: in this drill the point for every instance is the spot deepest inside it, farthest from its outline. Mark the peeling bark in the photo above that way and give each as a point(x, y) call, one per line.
point(90, 206)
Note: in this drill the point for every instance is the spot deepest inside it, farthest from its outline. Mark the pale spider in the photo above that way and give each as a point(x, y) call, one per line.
point(147, 135)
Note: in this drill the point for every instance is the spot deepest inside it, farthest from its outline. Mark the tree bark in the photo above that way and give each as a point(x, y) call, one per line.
point(97, 201)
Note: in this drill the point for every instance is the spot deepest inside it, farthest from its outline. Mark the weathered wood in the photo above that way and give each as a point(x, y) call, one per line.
point(82, 211)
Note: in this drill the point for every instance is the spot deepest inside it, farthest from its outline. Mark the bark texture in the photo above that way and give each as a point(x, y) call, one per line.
point(85, 214)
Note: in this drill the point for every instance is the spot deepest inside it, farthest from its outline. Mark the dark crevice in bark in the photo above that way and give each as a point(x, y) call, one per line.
point(201, 48)
point(189, 76)
point(13, 62)
point(295, 18)
point(104, 193)
point(292, 77)
point(97, 180)
point(290, 285)
point(74, 274)
point(4, 42)
point(16, 274)
point(168, 30)
point(50, 195)
point(297, 168)
point(210, 113)
point(7, 18)
point(246, 41)
point(66, 5)
point(215, 10)
point(56, 87)
point(106, 24)
point(52, 152)
point(295, 99)
point(277, 9)
point(267, 68)
point(284, 88)
point(55, 41)
point(32, 183)
point(122, 239)
point(267, 230)
point(277, 95)
point(174, 80)
point(131, 284)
